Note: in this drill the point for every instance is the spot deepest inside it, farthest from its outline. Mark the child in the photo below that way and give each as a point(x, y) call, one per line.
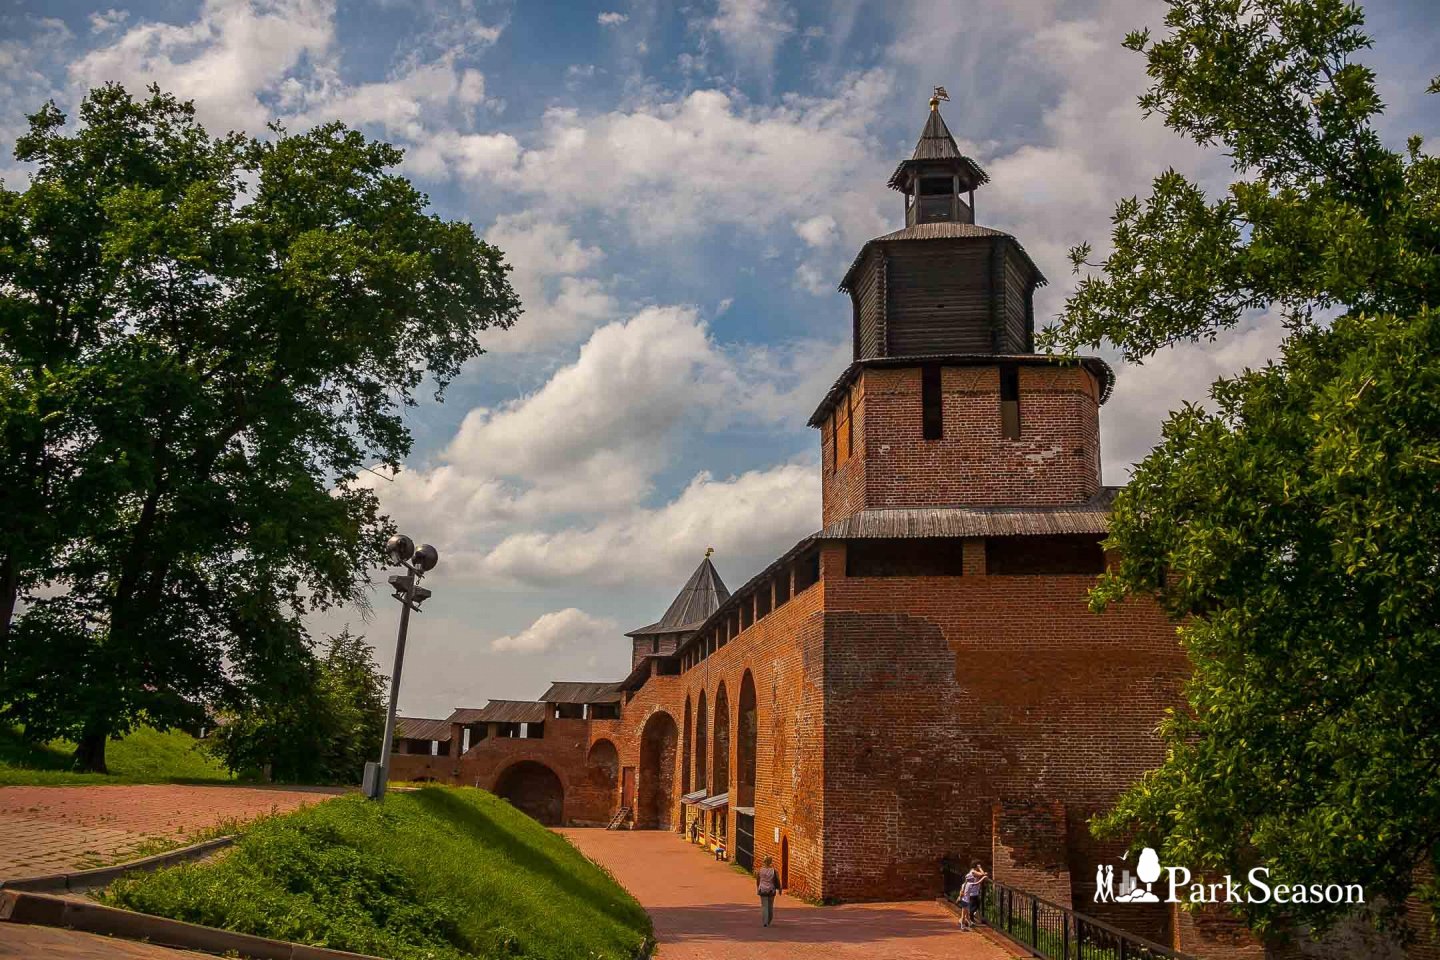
point(970, 895)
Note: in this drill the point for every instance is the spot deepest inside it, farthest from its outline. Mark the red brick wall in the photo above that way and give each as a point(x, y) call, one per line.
point(565, 749)
point(782, 651)
point(1214, 933)
point(985, 689)
point(843, 489)
point(1055, 461)
point(1030, 848)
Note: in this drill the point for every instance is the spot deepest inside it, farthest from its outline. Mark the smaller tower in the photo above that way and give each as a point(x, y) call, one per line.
point(701, 596)
point(938, 181)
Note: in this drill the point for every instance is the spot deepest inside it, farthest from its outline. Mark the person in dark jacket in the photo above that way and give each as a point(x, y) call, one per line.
point(767, 884)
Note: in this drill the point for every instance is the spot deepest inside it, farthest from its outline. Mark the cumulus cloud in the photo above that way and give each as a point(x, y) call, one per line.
point(398, 105)
point(817, 231)
point(232, 54)
point(748, 518)
point(678, 167)
point(562, 628)
point(594, 436)
point(611, 18)
point(560, 303)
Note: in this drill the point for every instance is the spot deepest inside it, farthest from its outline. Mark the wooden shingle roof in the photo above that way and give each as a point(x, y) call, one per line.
point(502, 711)
point(942, 230)
point(936, 143)
point(701, 596)
point(1093, 516)
point(420, 728)
point(571, 691)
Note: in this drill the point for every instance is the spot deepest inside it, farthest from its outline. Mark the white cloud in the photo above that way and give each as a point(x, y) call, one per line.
point(560, 304)
point(753, 31)
point(590, 442)
point(611, 18)
point(817, 231)
point(749, 519)
point(399, 105)
point(1131, 420)
point(104, 21)
point(232, 54)
point(570, 628)
point(678, 167)
point(470, 155)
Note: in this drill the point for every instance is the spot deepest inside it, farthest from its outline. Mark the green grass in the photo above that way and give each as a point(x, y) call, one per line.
point(436, 874)
point(145, 755)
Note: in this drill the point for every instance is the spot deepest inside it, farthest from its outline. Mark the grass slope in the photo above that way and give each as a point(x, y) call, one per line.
point(439, 874)
point(145, 755)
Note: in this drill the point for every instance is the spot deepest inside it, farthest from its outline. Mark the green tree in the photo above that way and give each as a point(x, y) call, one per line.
point(202, 342)
point(1291, 524)
point(318, 726)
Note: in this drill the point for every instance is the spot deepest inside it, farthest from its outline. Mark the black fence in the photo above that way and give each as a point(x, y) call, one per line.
point(1052, 931)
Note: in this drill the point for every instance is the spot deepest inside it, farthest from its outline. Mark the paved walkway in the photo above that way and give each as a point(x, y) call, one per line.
point(20, 940)
point(705, 910)
point(52, 829)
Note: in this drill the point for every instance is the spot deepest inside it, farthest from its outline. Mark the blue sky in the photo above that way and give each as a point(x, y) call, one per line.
point(680, 187)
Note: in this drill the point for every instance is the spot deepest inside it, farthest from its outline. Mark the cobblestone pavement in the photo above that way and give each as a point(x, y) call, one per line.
point(705, 910)
point(52, 829)
point(33, 943)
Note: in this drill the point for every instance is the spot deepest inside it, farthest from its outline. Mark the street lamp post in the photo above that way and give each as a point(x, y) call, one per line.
point(417, 562)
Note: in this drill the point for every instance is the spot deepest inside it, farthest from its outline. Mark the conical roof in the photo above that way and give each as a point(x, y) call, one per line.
point(701, 596)
point(936, 144)
point(935, 140)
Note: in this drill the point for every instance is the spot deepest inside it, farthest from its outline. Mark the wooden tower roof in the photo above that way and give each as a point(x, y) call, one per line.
point(701, 596)
point(936, 147)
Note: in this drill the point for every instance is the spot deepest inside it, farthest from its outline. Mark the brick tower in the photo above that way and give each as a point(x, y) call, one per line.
point(946, 403)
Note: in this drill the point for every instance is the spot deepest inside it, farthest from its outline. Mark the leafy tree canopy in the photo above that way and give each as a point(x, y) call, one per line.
point(319, 724)
point(1290, 524)
point(203, 340)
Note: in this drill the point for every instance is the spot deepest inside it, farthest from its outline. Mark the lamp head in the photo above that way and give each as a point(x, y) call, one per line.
point(426, 557)
point(400, 548)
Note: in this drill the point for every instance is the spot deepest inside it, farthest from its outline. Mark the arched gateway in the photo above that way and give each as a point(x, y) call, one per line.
point(534, 789)
point(658, 743)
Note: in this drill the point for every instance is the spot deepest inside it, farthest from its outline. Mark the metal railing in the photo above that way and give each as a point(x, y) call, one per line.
point(1055, 932)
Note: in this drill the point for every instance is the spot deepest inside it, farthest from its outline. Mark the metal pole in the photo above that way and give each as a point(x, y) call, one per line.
point(395, 686)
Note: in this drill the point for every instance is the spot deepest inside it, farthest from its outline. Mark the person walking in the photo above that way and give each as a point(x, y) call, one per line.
point(767, 884)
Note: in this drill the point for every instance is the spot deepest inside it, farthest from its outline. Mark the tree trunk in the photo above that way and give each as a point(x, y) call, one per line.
point(9, 593)
point(90, 751)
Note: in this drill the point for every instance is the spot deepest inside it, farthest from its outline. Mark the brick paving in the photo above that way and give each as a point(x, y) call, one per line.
point(20, 940)
point(705, 910)
point(52, 829)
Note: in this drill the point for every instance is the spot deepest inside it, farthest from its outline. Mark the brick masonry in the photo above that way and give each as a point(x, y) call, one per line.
point(1056, 460)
